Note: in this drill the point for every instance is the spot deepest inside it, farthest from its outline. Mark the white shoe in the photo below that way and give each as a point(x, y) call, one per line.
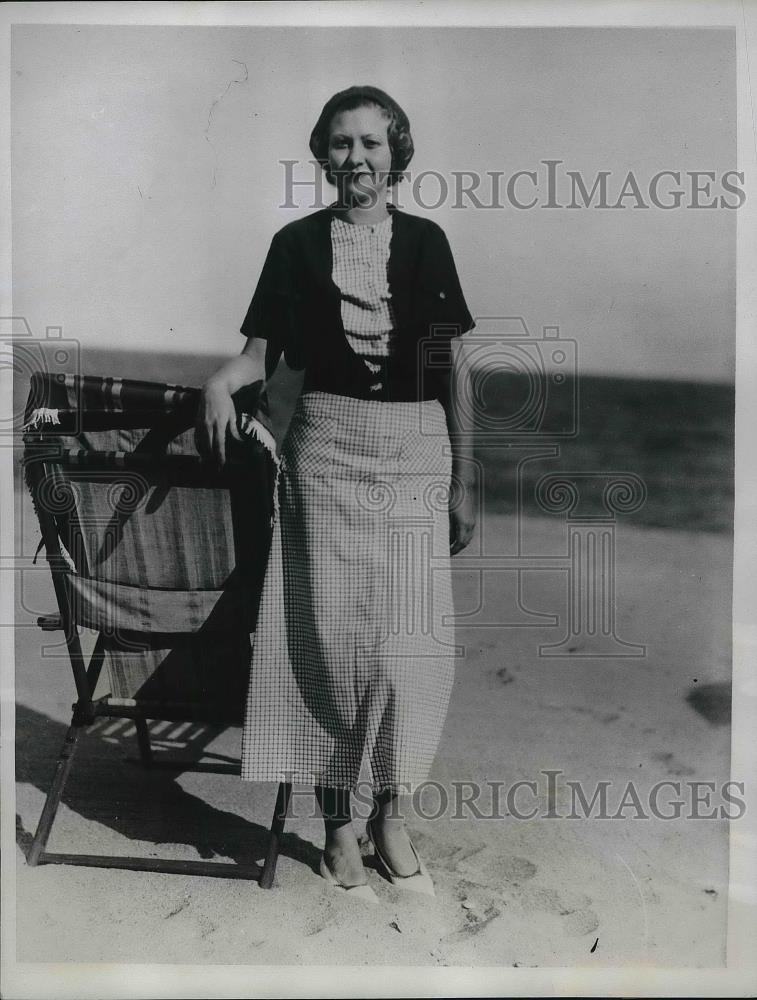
point(360, 891)
point(419, 881)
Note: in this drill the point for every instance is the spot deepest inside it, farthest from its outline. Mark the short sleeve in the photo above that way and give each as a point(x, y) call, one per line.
point(456, 311)
point(446, 313)
point(270, 315)
point(461, 315)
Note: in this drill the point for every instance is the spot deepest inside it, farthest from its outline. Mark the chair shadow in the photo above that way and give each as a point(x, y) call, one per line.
point(139, 803)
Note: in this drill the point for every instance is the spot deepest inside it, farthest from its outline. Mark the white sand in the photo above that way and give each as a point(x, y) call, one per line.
point(531, 893)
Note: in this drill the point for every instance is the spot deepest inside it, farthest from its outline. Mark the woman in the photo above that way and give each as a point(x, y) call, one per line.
point(352, 661)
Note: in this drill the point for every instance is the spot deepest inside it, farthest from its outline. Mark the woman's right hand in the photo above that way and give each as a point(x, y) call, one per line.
point(216, 417)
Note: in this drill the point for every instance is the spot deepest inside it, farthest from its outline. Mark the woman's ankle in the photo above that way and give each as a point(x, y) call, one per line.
point(387, 810)
point(339, 834)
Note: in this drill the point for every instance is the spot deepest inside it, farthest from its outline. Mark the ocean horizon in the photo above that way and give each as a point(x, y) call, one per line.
point(675, 435)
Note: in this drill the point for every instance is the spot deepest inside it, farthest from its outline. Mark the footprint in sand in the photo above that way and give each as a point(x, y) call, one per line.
point(673, 766)
point(487, 881)
point(475, 921)
point(581, 922)
point(573, 908)
point(489, 868)
point(476, 910)
point(476, 902)
point(327, 914)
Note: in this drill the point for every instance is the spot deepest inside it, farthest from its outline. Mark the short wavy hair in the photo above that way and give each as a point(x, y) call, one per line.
point(398, 129)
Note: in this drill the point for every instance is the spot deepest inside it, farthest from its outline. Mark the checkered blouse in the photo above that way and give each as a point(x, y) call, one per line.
point(360, 256)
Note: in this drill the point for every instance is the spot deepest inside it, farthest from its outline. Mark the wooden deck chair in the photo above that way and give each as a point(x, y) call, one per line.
point(163, 556)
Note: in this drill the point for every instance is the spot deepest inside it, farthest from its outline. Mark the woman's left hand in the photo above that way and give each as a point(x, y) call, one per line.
point(462, 523)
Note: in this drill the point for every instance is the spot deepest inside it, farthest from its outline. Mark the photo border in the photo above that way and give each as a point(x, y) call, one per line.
point(739, 978)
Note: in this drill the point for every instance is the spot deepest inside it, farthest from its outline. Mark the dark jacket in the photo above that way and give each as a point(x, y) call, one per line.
point(297, 309)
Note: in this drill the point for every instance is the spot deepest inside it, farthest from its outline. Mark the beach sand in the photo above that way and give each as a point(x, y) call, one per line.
point(510, 892)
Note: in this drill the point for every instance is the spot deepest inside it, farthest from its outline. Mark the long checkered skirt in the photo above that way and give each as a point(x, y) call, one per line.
point(353, 657)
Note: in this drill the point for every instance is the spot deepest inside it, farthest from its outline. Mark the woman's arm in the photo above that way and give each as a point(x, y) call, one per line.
point(216, 415)
point(456, 400)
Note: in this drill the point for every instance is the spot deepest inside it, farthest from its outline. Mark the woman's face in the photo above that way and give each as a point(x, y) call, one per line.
point(360, 158)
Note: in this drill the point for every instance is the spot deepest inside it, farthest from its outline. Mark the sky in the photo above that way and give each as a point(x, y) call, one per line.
point(147, 179)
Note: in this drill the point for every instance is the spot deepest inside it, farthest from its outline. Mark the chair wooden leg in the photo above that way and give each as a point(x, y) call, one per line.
point(277, 828)
point(46, 820)
point(143, 739)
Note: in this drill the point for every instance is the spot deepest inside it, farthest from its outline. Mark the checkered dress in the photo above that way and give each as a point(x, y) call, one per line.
point(353, 657)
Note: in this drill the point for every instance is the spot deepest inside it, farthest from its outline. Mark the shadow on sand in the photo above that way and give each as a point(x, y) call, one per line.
point(712, 701)
point(142, 805)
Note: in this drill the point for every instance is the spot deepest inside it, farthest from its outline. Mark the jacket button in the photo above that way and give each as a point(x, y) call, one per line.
point(442, 295)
